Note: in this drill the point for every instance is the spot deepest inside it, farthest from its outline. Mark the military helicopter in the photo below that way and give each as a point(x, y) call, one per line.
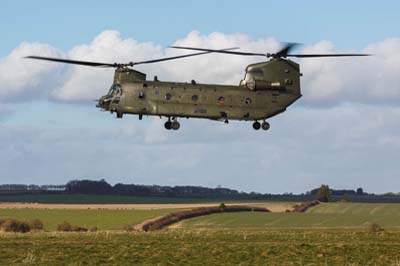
point(266, 90)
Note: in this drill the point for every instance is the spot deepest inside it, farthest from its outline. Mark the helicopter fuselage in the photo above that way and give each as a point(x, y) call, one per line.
point(267, 90)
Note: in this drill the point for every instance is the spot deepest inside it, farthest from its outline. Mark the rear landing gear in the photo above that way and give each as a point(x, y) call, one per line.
point(256, 125)
point(265, 125)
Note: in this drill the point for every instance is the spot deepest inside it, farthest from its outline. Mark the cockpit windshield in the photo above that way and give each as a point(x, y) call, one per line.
point(111, 91)
point(115, 89)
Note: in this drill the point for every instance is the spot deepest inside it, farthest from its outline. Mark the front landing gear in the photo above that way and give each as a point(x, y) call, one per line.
point(168, 125)
point(120, 114)
point(174, 124)
point(265, 125)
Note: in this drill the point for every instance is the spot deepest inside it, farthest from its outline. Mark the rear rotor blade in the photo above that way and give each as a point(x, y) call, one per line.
point(217, 51)
point(325, 55)
point(285, 49)
point(284, 52)
point(74, 62)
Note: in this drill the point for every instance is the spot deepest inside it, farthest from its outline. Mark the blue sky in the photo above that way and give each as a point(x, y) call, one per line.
point(342, 132)
point(349, 24)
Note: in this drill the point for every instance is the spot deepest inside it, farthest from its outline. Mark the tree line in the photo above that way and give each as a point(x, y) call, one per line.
point(102, 187)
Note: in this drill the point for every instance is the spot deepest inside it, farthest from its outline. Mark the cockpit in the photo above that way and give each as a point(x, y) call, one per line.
point(115, 90)
point(113, 95)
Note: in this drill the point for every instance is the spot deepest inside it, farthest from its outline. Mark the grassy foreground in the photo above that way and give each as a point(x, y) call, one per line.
point(280, 247)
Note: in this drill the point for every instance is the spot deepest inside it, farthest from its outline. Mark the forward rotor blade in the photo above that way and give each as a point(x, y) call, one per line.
point(97, 64)
point(74, 62)
point(217, 51)
point(178, 56)
point(325, 55)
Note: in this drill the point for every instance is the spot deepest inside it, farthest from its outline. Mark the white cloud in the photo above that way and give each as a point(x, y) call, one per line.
point(326, 81)
point(87, 83)
point(27, 79)
point(373, 79)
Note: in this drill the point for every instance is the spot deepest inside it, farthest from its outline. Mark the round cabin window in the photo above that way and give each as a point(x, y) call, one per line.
point(195, 98)
point(221, 100)
point(168, 96)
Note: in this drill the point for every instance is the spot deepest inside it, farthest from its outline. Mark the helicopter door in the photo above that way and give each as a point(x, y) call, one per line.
point(142, 96)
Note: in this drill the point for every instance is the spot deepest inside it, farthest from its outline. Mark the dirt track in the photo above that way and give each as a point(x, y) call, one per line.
point(273, 207)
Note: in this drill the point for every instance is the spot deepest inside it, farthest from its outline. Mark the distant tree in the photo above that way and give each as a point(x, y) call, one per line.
point(324, 194)
point(345, 197)
point(360, 191)
point(88, 187)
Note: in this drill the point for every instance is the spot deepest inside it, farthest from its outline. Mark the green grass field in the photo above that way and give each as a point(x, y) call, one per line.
point(234, 247)
point(328, 215)
point(103, 219)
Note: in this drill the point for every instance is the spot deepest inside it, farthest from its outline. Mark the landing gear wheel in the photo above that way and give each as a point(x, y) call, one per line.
point(120, 114)
point(265, 125)
point(175, 125)
point(256, 125)
point(168, 125)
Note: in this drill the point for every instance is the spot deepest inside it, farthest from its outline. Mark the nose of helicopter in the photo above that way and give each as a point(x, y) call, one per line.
point(104, 102)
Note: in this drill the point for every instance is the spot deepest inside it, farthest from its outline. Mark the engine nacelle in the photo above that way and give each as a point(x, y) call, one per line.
point(257, 85)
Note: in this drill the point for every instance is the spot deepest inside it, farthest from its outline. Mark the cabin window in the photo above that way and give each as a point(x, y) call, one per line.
point(221, 100)
point(119, 91)
point(141, 95)
point(168, 96)
point(195, 98)
point(247, 100)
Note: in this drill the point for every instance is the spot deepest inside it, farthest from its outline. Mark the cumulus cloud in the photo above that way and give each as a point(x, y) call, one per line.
point(23, 79)
point(371, 80)
point(86, 83)
point(326, 81)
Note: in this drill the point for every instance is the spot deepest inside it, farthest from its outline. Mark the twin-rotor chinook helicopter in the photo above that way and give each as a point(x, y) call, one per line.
point(267, 89)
